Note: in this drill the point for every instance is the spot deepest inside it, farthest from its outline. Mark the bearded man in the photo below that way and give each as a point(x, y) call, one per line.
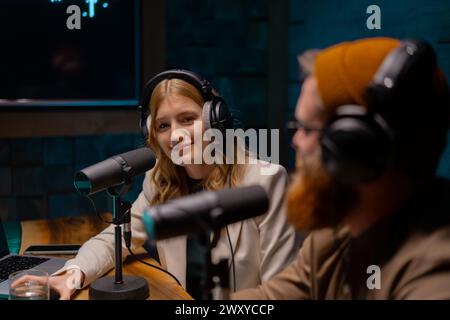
point(371, 125)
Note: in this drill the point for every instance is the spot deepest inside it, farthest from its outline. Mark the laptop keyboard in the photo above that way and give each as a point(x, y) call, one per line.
point(15, 263)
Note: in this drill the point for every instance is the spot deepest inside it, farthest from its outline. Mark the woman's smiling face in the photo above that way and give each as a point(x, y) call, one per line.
point(174, 126)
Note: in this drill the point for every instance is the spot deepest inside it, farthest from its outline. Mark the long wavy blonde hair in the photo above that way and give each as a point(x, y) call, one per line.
point(171, 180)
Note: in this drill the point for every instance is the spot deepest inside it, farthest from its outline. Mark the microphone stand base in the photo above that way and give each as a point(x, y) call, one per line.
point(132, 288)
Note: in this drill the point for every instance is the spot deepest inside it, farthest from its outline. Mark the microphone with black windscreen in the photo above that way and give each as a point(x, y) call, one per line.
point(208, 210)
point(114, 171)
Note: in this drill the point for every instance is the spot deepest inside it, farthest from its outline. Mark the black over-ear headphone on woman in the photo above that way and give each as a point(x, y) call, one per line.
point(216, 114)
point(358, 145)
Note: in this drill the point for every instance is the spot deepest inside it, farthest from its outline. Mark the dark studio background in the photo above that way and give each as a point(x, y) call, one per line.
point(246, 48)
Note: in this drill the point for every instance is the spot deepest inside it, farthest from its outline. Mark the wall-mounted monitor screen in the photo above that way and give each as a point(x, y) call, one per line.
point(69, 53)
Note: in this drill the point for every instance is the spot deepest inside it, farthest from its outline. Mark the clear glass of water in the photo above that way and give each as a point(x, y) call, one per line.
point(29, 284)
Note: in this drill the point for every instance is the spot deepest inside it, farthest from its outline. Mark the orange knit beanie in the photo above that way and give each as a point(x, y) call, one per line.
point(345, 70)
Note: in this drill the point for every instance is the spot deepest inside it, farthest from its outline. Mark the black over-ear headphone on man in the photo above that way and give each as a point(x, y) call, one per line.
point(358, 145)
point(216, 114)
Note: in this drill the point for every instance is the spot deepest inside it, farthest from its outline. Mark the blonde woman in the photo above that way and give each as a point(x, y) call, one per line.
point(176, 100)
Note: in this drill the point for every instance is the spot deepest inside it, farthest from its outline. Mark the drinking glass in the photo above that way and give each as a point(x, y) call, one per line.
point(29, 284)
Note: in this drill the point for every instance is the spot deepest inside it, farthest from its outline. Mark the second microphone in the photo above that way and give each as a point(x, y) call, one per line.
point(203, 211)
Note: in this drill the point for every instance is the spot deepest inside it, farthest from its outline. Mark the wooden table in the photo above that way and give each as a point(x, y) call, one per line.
point(77, 230)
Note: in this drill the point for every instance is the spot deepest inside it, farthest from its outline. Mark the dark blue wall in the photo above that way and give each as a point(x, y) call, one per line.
point(226, 42)
point(36, 174)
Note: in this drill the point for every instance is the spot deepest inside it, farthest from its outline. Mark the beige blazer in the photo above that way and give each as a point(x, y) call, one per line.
point(262, 246)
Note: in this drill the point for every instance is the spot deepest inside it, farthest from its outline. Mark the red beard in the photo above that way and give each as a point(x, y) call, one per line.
point(314, 199)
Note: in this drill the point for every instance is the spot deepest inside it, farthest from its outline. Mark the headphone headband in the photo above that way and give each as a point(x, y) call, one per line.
point(358, 144)
point(202, 85)
point(405, 67)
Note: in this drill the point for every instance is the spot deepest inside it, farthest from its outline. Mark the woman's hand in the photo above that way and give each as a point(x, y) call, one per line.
point(64, 284)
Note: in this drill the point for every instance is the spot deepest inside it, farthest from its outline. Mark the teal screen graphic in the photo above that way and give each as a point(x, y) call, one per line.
point(91, 6)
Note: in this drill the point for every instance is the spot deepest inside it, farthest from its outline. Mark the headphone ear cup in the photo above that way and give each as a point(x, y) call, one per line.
point(356, 147)
point(225, 118)
point(206, 115)
point(220, 116)
point(145, 127)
